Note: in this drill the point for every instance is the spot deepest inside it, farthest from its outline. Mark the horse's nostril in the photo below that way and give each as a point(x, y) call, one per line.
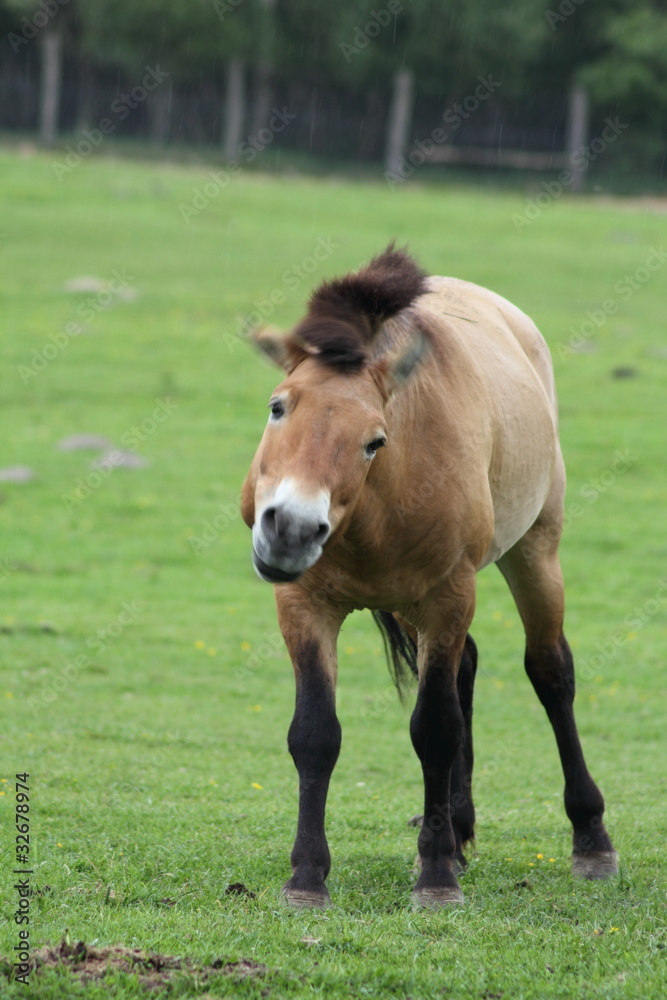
point(269, 526)
point(281, 529)
point(321, 534)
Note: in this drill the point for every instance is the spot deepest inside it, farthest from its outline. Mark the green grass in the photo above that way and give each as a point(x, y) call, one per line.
point(145, 753)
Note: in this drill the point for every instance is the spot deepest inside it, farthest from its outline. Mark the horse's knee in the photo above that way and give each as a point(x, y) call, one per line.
point(437, 727)
point(314, 736)
point(318, 745)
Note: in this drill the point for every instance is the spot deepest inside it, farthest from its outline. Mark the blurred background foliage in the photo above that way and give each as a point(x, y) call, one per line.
point(336, 67)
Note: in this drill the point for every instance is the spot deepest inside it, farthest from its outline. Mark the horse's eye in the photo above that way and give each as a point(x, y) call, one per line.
point(277, 408)
point(374, 446)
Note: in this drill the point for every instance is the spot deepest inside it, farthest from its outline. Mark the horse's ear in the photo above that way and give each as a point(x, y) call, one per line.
point(279, 347)
point(395, 368)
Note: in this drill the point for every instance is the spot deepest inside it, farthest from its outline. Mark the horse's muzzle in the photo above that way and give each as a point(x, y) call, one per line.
point(289, 534)
point(272, 574)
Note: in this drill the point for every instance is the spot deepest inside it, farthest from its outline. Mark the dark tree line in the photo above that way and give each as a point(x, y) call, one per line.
point(364, 81)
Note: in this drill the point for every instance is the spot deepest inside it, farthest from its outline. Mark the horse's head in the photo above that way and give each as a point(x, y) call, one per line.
point(327, 418)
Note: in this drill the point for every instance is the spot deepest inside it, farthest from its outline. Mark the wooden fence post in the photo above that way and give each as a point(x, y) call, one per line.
point(234, 108)
point(577, 131)
point(50, 83)
point(400, 119)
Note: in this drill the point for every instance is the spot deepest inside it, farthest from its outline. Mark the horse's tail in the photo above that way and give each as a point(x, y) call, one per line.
point(400, 649)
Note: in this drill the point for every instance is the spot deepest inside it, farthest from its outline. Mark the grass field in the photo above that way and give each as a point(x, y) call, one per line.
point(144, 687)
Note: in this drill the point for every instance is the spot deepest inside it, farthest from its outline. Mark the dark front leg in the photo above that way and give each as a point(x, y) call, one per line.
point(551, 671)
point(314, 742)
point(310, 629)
point(437, 729)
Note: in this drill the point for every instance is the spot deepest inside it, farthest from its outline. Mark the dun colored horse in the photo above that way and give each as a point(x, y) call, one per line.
point(412, 442)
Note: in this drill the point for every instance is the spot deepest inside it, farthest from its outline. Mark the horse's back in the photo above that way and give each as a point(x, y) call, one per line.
point(492, 314)
point(506, 384)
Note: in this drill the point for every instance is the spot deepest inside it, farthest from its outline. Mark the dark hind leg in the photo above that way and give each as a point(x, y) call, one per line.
point(461, 804)
point(533, 573)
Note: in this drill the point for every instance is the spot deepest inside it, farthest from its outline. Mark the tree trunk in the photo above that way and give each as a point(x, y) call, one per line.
point(234, 108)
point(50, 82)
point(577, 131)
point(400, 119)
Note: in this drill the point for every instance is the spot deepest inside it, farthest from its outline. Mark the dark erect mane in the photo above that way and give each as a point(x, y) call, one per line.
point(346, 314)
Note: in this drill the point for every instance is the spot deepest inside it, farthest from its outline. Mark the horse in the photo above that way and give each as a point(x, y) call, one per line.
point(412, 442)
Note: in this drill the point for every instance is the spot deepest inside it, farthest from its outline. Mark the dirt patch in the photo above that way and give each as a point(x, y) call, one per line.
point(153, 970)
point(239, 889)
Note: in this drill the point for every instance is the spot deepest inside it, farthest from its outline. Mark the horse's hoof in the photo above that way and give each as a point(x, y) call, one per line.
point(416, 820)
point(307, 899)
point(436, 899)
point(595, 865)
